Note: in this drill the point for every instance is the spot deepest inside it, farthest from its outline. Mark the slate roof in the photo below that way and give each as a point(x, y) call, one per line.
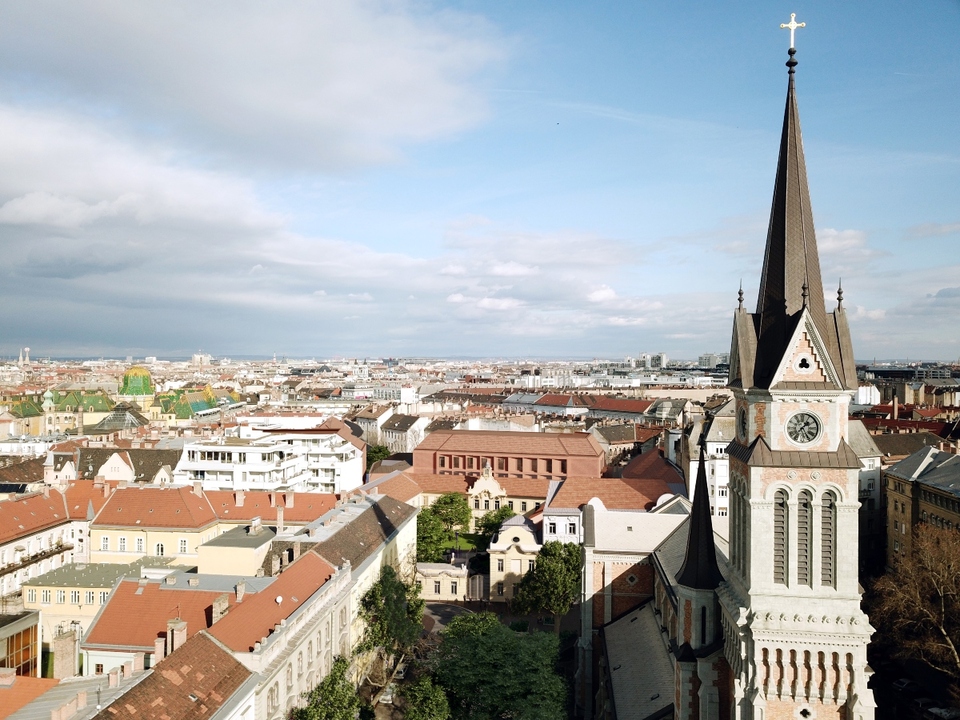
point(641, 672)
point(699, 570)
point(399, 423)
point(862, 442)
point(903, 444)
point(27, 471)
point(146, 462)
point(192, 683)
point(360, 537)
point(617, 434)
point(930, 467)
point(759, 454)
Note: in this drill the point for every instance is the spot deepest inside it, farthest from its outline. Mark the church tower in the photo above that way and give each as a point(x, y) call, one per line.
point(794, 634)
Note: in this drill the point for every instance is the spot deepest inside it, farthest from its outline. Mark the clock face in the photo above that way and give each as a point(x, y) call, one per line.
point(803, 428)
point(742, 423)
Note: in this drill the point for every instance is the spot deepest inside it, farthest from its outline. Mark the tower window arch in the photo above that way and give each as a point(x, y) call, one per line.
point(780, 537)
point(804, 537)
point(828, 539)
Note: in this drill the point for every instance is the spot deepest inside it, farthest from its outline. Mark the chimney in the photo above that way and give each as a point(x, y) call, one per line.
point(113, 678)
point(127, 668)
point(241, 589)
point(46, 491)
point(220, 606)
point(176, 633)
point(138, 662)
point(238, 497)
point(256, 526)
point(274, 565)
point(159, 648)
point(296, 550)
point(288, 499)
point(193, 582)
point(106, 490)
point(279, 519)
point(198, 488)
point(896, 407)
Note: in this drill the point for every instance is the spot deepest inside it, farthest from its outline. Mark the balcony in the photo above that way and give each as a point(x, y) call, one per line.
point(60, 547)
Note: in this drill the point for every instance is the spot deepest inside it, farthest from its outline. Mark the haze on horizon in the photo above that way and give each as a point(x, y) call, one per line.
point(482, 179)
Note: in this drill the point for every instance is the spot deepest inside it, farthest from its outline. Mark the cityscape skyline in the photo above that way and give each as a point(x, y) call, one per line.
point(543, 181)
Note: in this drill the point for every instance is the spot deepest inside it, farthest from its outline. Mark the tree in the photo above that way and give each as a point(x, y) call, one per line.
point(917, 604)
point(430, 536)
point(489, 671)
point(489, 525)
point(393, 612)
point(453, 511)
point(376, 453)
point(335, 698)
point(425, 701)
point(553, 585)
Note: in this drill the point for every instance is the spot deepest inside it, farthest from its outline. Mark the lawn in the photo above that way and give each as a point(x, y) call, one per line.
point(468, 541)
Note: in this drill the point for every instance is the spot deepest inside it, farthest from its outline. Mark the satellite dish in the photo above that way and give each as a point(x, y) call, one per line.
point(279, 599)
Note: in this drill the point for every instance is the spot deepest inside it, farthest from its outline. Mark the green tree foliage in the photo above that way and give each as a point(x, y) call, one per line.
point(916, 606)
point(490, 672)
point(430, 536)
point(376, 453)
point(453, 511)
point(335, 698)
point(425, 701)
point(553, 585)
point(489, 525)
point(393, 612)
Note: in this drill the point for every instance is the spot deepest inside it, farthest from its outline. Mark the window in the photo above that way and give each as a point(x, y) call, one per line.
point(523, 506)
point(139, 544)
point(496, 504)
point(45, 597)
point(299, 664)
point(74, 597)
point(476, 503)
point(499, 588)
point(470, 463)
point(529, 565)
point(501, 463)
point(499, 564)
point(456, 461)
point(780, 537)
point(31, 595)
point(158, 550)
point(828, 539)
point(533, 464)
point(572, 528)
point(519, 464)
point(442, 461)
point(289, 674)
point(183, 545)
point(563, 467)
point(548, 464)
point(61, 597)
point(486, 503)
point(104, 594)
point(510, 504)
point(122, 544)
point(436, 587)
point(98, 669)
point(88, 597)
point(804, 537)
point(552, 528)
point(104, 543)
point(453, 588)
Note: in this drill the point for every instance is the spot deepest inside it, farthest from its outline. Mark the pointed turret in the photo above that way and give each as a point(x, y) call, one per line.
point(700, 570)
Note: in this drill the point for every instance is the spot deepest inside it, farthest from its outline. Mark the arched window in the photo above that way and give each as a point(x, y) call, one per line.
point(804, 537)
point(158, 550)
point(828, 539)
point(780, 537)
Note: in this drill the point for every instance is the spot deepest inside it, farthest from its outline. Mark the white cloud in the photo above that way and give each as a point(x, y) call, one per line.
point(513, 269)
point(456, 298)
point(489, 303)
point(602, 294)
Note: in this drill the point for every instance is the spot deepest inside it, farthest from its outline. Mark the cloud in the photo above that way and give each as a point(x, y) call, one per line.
point(513, 269)
point(928, 230)
point(602, 294)
point(330, 84)
point(489, 303)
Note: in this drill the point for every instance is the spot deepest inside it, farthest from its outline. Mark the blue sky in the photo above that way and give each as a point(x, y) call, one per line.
point(535, 179)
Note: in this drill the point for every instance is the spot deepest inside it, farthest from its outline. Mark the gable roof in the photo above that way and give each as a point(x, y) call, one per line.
point(494, 441)
point(192, 683)
point(306, 507)
point(27, 471)
point(363, 534)
point(651, 466)
point(256, 615)
point(27, 514)
point(614, 493)
point(155, 507)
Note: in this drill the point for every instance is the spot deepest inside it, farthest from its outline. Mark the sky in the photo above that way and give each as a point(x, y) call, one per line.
point(474, 178)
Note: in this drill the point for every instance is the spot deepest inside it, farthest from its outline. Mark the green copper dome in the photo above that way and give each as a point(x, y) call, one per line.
point(137, 381)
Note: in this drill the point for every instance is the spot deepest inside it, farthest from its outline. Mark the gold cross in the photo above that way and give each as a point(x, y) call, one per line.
point(793, 25)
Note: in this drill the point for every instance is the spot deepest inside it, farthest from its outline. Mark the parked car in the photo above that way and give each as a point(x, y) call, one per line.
point(906, 686)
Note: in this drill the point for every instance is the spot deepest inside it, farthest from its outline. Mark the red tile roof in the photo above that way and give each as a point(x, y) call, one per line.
point(25, 690)
point(400, 487)
point(27, 471)
point(602, 402)
point(27, 514)
point(81, 493)
point(255, 616)
point(614, 493)
point(191, 684)
point(307, 507)
point(439, 484)
point(157, 507)
point(524, 487)
point(133, 619)
point(512, 443)
point(651, 466)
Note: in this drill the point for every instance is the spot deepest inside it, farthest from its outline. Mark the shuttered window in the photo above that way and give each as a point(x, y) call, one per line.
point(780, 537)
point(804, 537)
point(828, 539)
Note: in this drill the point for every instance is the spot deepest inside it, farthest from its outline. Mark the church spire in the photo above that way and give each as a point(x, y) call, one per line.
point(791, 259)
point(700, 570)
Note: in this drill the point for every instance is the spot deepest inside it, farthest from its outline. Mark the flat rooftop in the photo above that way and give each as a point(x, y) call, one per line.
point(95, 575)
point(241, 537)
